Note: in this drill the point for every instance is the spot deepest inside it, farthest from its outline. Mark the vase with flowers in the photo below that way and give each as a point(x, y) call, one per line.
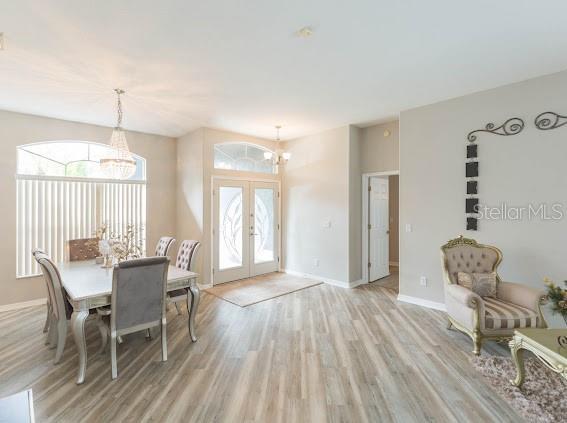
point(558, 298)
point(119, 247)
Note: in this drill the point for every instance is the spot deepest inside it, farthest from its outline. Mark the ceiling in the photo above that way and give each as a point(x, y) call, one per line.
point(238, 65)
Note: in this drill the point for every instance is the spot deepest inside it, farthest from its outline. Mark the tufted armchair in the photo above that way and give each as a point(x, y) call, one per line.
point(515, 306)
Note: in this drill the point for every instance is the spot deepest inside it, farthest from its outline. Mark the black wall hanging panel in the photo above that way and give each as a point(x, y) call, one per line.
point(472, 187)
point(471, 205)
point(471, 169)
point(472, 223)
point(472, 151)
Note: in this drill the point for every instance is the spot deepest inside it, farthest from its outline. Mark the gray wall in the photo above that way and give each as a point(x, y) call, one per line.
point(516, 170)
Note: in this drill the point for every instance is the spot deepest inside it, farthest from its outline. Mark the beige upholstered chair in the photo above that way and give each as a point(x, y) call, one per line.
point(186, 260)
point(515, 305)
point(164, 246)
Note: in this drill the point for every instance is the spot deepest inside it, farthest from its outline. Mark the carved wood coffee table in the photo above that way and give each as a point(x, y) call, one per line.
point(543, 343)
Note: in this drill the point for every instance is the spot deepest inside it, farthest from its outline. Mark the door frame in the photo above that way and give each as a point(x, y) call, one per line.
point(365, 184)
point(212, 216)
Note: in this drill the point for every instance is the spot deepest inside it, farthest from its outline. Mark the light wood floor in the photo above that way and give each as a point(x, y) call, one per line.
point(320, 354)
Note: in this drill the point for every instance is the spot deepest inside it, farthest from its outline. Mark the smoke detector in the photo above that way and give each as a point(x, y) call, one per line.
point(304, 32)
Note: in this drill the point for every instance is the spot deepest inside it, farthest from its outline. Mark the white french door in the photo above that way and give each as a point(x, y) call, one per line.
point(245, 229)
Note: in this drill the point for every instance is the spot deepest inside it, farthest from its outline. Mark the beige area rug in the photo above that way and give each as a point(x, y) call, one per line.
point(260, 288)
point(543, 397)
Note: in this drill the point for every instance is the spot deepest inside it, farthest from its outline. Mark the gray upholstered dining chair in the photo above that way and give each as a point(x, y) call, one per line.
point(138, 301)
point(164, 246)
point(186, 260)
point(514, 306)
point(60, 310)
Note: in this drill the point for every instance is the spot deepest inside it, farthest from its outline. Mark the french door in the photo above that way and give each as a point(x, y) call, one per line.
point(245, 229)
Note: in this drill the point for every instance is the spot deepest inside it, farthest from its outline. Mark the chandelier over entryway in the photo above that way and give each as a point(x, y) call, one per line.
point(281, 157)
point(119, 164)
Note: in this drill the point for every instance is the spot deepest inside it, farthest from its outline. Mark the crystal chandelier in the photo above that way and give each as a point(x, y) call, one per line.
point(119, 164)
point(277, 159)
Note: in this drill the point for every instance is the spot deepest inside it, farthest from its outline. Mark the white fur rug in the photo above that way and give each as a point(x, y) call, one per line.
point(543, 397)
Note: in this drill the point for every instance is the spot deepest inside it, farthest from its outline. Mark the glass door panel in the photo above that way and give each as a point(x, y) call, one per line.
point(231, 234)
point(264, 241)
point(230, 227)
point(264, 245)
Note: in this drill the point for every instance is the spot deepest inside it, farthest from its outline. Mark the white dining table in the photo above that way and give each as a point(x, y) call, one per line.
point(88, 286)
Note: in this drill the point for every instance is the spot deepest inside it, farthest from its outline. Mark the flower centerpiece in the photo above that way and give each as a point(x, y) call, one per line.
point(558, 298)
point(125, 246)
point(119, 246)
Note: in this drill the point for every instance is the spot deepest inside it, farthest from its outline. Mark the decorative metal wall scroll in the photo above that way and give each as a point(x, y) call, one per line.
point(549, 120)
point(512, 126)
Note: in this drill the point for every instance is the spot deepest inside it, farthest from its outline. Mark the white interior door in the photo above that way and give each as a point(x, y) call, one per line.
point(378, 230)
point(245, 229)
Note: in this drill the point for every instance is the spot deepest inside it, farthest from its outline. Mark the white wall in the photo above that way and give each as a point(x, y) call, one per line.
point(517, 170)
point(379, 153)
point(17, 129)
point(355, 204)
point(316, 191)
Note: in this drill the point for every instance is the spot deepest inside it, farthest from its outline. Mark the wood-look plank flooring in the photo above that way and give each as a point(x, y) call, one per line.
point(260, 288)
point(319, 354)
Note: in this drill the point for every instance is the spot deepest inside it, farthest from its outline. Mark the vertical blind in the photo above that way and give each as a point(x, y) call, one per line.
point(51, 211)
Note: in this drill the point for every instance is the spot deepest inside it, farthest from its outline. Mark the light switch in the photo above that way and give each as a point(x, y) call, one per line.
point(408, 227)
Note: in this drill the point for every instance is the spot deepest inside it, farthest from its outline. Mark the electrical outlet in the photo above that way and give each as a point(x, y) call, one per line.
point(316, 262)
point(423, 281)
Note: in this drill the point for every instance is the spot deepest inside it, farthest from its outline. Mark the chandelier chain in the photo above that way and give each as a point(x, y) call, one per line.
point(119, 107)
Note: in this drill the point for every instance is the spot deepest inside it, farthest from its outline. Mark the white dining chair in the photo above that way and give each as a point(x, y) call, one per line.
point(59, 311)
point(138, 302)
point(164, 246)
point(35, 252)
point(186, 260)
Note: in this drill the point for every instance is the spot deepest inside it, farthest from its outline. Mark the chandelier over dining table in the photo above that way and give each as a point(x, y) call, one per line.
point(119, 164)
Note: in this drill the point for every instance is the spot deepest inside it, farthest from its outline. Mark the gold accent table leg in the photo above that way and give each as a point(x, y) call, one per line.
point(518, 358)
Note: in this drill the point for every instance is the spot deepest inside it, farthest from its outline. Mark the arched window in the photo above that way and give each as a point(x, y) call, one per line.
point(244, 157)
point(62, 194)
point(78, 159)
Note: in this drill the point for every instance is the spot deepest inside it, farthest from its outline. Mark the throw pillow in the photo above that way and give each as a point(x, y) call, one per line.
point(483, 284)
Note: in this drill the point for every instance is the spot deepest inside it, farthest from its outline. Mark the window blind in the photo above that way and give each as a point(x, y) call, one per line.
point(51, 211)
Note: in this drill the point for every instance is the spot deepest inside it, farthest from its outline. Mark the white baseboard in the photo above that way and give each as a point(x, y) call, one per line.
point(329, 281)
point(421, 302)
point(395, 264)
point(24, 304)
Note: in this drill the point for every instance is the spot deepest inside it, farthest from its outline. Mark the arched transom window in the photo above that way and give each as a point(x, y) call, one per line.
point(244, 157)
point(69, 159)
